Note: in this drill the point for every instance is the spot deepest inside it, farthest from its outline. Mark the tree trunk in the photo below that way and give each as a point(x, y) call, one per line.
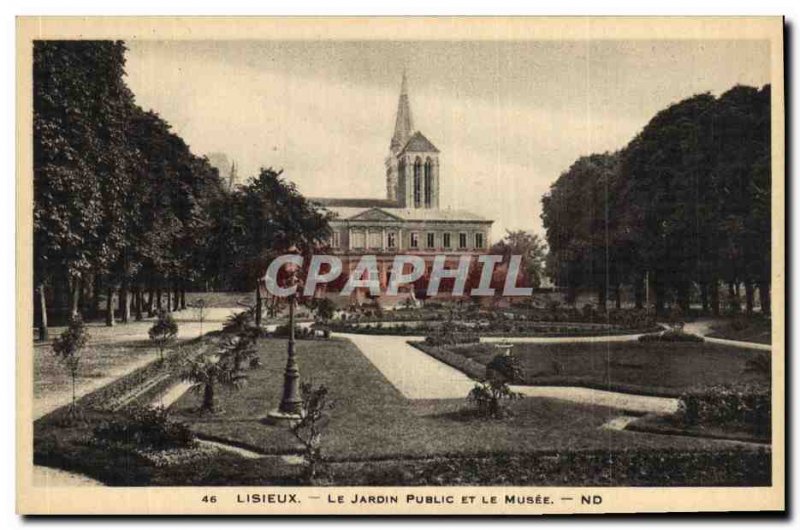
point(175, 300)
point(110, 306)
point(749, 291)
point(159, 304)
point(715, 297)
point(74, 296)
point(168, 301)
point(97, 287)
point(183, 298)
point(764, 298)
point(733, 296)
point(601, 296)
point(137, 303)
point(43, 331)
point(704, 296)
point(208, 398)
point(258, 307)
point(638, 292)
point(617, 297)
point(124, 301)
point(684, 301)
point(150, 299)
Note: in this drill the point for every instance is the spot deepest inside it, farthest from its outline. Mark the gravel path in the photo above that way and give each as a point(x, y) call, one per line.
point(419, 376)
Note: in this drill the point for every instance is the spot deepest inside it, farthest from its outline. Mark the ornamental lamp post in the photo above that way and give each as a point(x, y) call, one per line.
point(290, 407)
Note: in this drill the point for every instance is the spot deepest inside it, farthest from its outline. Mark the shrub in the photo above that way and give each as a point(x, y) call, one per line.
point(489, 395)
point(313, 420)
point(67, 347)
point(671, 335)
point(449, 338)
point(144, 428)
point(607, 467)
point(748, 405)
point(760, 364)
point(163, 332)
point(505, 367)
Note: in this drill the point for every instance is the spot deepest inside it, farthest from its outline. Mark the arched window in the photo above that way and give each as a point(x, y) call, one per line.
point(417, 182)
point(428, 182)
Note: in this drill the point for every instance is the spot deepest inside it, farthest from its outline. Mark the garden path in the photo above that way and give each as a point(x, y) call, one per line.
point(419, 376)
point(48, 477)
point(188, 327)
point(703, 326)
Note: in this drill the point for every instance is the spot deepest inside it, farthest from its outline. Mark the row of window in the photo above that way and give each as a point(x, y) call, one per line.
point(374, 239)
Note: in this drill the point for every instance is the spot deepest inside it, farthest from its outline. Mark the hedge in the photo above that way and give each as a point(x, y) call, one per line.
point(748, 404)
point(634, 467)
point(472, 368)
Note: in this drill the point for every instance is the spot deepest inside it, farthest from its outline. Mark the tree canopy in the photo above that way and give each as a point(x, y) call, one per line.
point(686, 203)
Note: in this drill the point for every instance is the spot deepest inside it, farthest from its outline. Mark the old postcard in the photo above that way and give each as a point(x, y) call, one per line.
point(400, 265)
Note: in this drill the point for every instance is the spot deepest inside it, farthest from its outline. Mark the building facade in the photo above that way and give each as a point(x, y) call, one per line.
point(410, 220)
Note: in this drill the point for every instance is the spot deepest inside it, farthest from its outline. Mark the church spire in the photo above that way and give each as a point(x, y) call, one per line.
point(403, 125)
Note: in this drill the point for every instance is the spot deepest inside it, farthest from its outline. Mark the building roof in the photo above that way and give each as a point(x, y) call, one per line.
point(404, 124)
point(418, 143)
point(359, 203)
point(404, 214)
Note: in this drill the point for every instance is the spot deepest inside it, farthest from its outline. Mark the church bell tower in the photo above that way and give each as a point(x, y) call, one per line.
point(412, 166)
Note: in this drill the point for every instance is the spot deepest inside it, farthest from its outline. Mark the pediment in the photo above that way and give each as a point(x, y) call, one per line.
point(375, 214)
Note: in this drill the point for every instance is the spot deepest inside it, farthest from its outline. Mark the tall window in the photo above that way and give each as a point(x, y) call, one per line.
point(417, 182)
point(431, 240)
point(375, 239)
point(428, 182)
point(414, 240)
point(335, 242)
point(391, 240)
point(359, 239)
point(446, 240)
point(462, 240)
point(478, 239)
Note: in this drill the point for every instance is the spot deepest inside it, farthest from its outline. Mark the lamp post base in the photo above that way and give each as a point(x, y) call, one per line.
point(276, 417)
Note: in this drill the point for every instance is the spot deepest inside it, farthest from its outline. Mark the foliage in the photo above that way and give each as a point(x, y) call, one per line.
point(607, 467)
point(489, 395)
point(67, 347)
point(163, 332)
point(208, 373)
point(729, 404)
point(533, 251)
point(121, 202)
point(324, 308)
point(144, 427)
point(199, 307)
point(313, 420)
point(448, 337)
point(686, 204)
point(240, 348)
point(761, 364)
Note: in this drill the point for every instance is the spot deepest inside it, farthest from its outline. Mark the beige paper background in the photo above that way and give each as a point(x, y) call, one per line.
point(187, 500)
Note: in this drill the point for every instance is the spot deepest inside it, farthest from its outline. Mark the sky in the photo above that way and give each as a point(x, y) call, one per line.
point(508, 117)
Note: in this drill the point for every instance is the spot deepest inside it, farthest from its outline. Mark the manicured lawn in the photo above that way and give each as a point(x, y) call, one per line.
point(656, 368)
point(372, 420)
point(378, 437)
point(752, 329)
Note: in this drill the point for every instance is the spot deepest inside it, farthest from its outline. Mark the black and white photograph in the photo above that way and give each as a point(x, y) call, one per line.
point(399, 269)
